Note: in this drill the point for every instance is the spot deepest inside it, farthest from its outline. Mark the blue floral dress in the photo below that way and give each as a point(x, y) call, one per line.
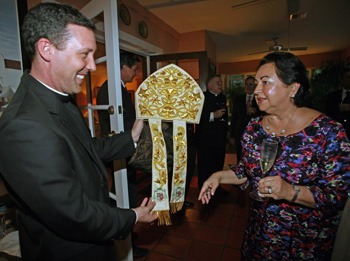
point(317, 157)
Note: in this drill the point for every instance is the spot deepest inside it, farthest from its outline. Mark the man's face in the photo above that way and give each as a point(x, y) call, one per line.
point(249, 86)
point(215, 85)
point(128, 74)
point(69, 66)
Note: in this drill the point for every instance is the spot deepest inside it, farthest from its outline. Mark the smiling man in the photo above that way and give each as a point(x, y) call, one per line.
point(51, 166)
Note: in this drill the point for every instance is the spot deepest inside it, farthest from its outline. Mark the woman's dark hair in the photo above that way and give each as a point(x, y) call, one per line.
point(50, 20)
point(290, 69)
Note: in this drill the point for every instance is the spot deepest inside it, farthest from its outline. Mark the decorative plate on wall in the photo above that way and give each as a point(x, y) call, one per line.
point(124, 14)
point(143, 29)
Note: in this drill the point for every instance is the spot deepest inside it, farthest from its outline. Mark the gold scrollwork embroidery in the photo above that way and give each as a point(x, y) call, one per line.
point(170, 95)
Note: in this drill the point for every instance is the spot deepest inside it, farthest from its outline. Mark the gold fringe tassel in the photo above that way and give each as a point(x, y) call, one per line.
point(175, 207)
point(164, 217)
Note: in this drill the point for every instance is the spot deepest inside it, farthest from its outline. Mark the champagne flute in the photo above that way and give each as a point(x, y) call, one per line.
point(222, 106)
point(267, 158)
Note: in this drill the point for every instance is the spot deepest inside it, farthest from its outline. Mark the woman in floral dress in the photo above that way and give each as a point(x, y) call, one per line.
point(309, 181)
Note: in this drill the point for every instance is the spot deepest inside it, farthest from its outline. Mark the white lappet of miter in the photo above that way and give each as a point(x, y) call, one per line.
point(169, 94)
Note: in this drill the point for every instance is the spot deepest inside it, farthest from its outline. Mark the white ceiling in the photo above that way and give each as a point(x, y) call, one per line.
point(250, 27)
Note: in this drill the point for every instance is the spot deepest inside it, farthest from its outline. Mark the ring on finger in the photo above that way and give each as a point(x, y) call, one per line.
point(269, 190)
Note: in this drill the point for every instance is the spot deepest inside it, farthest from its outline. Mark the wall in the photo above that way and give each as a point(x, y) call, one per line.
point(168, 39)
point(192, 42)
point(316, 60)
point(310, 61)
point(237, 67)
point(210, 47)
point(198, 41)
point(159, 33)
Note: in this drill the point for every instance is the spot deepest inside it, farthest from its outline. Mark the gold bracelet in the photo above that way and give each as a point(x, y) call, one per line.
point(297, 191)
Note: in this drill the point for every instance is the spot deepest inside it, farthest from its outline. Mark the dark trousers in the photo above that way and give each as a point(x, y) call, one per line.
point(132, 182)
point(132, 186)
point(191, 165)
point(209, 161)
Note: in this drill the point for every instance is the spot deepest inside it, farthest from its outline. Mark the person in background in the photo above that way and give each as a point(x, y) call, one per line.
point(211, 133)
point(128, 71)
point(243, 110)
point(191, 160)
point(308, 183)
point(52, 167)
point(338, 102)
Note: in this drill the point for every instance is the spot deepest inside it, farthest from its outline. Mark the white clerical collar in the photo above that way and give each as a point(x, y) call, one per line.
point(123, 84)
point(61, 93)
point(213, 93)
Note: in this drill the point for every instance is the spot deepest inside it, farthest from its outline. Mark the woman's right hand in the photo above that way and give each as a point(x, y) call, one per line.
point(212, 183)
point(209, 187)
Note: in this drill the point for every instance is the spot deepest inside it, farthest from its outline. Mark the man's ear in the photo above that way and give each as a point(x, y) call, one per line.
point(44, 47)
point(124, 68)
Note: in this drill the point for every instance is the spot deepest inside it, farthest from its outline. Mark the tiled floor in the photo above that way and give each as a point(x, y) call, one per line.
point(204, 232)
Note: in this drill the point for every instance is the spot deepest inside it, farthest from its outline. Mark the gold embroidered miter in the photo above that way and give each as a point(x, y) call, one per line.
point(169, 94)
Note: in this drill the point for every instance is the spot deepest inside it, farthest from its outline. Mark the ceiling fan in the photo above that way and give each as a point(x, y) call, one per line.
point(293, 13)
point(276, 47)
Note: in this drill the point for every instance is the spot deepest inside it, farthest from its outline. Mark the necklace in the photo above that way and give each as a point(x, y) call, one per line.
point(284, 130)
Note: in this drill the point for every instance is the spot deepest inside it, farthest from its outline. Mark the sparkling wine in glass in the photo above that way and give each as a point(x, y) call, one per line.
point(222, 106)
point(267, 158)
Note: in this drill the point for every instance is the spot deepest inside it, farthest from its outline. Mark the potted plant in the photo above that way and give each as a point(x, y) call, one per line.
point(325, 80)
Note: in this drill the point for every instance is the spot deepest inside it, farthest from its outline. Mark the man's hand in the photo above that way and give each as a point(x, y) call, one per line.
point(145, 213)
point(219, 113)
point(136, 129)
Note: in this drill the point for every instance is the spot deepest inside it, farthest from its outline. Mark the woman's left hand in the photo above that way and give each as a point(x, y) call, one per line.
point(275, 187)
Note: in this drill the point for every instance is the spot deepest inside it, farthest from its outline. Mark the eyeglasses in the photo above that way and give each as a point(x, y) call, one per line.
point(251, 84)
